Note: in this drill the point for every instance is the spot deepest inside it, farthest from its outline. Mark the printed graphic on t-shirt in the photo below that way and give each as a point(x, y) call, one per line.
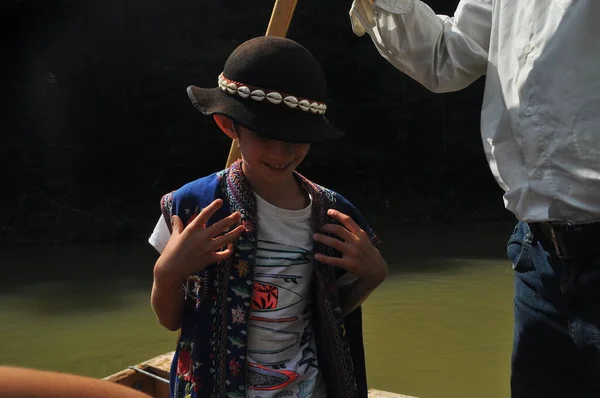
point(282, 359)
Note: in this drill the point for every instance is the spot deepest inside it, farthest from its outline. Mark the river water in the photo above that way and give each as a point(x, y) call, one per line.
point(440, 326)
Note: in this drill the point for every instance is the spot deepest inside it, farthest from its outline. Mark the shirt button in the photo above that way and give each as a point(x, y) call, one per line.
point(528, 111)
point(527, 49)
point(538, 174)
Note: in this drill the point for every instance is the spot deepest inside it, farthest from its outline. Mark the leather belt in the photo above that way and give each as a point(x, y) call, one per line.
point(570, 240)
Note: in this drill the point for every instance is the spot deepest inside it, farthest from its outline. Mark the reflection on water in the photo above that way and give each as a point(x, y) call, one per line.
point(440, 326)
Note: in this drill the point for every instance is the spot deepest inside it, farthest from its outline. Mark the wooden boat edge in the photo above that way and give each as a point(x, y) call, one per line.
point(160, 366)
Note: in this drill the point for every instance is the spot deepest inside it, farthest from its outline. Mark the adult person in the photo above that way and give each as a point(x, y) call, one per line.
point(540, 125)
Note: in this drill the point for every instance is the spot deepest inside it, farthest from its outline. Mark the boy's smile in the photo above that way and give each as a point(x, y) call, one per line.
point(268, 164)
point(277, 167)
point(269, 160)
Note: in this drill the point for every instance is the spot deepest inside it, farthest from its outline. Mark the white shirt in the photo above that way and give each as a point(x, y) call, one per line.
point(540, 120)
point(282, 358)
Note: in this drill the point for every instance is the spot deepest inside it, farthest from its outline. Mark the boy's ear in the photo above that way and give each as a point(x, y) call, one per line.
point(226, 125)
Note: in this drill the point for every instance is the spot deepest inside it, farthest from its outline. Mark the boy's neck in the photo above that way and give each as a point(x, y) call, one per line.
point(289, 194)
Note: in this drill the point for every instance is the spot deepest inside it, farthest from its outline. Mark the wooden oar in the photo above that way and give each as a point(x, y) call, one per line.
point(281, 17)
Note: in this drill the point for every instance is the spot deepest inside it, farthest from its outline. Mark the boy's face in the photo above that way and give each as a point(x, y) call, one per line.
point(270, 160)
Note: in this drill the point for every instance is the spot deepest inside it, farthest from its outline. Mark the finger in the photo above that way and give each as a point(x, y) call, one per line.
point(340, 231)
point(225, 248)
point(229, 237)
point(332, 242)
point(335, 261)
point(223, 254)
point(224, 224)
point(345, 220)
point(176, 225)
point(206, 213)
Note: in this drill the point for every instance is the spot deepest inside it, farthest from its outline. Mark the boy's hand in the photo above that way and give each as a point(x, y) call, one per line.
point(359, 256)
point(191, 249)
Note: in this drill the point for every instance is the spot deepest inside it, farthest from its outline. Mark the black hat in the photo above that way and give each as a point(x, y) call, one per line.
point(274, 87)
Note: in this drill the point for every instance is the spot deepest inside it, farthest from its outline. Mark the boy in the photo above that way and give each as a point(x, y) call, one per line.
point(274, 267)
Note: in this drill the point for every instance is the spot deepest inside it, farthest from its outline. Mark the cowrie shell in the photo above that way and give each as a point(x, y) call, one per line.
point(257, 95)
point(304, 105)
point(274, 98)
point(231, 88)
point(244, 92)
point(290, 101)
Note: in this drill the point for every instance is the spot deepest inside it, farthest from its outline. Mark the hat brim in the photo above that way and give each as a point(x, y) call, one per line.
point(265, 119)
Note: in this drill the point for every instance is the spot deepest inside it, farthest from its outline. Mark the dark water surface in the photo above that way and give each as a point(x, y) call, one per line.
point(440, 326)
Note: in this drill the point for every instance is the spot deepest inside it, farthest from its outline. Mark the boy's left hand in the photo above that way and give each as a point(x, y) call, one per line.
point(359, 256)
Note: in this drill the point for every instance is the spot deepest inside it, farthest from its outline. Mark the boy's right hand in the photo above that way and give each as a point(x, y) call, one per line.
point(190, 249)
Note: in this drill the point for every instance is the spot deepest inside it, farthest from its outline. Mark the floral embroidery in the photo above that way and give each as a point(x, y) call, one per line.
point(184, 365)
point(195, 289)
point(234, 367)
point(242, 267)
point(238, 315)
point(166, 208)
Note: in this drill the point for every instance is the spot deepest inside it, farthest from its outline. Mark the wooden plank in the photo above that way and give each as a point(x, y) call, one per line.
point(161, 365)
point(162, 390)
point(132, 379)
point(373, 393)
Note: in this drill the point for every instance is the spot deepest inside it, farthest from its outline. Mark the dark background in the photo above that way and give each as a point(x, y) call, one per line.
point(96, 124)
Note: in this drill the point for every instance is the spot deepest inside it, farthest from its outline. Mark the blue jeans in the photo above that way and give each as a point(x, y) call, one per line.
point(556, 347)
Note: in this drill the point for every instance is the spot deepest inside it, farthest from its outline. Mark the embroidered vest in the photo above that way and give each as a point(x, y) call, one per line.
point(210, 358)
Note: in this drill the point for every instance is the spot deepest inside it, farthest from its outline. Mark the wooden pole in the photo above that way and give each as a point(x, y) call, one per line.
point(281, 17)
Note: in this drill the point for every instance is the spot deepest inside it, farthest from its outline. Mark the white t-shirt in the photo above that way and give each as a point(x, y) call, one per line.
point(281, 353)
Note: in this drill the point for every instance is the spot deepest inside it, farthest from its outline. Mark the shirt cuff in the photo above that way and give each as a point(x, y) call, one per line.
point(360, 11)
point(363, 13)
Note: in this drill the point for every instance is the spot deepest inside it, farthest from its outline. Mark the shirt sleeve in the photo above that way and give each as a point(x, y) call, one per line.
point(443, 53)
point(161, 235)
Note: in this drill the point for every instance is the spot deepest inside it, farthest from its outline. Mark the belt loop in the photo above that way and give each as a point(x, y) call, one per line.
point(555, 241)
